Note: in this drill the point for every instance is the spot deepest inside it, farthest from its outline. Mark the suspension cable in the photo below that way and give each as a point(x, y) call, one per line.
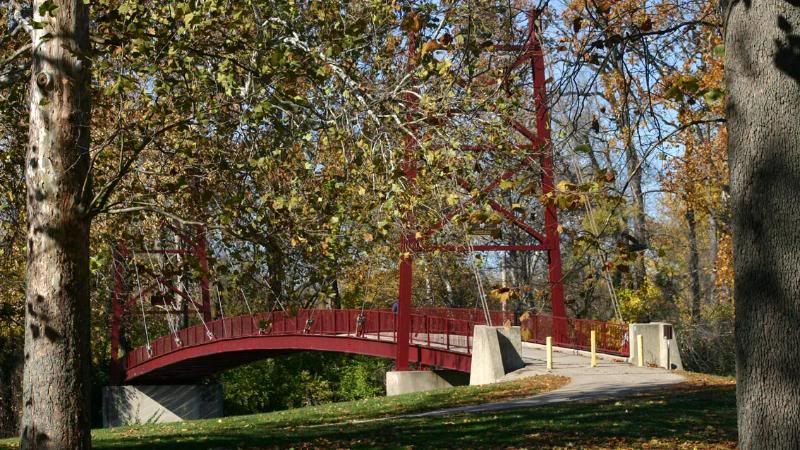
point(173, 327)
point(241, 291)
point(244, 297)
point(141, 303)
point(593, 225)
point(194, 305)
point(221, 312)
point(366, 291)
point(481, 292)
point(185, 291)
point(246, 303)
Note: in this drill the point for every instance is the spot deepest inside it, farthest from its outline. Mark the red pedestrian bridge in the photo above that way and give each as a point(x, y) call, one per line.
point(440, 338)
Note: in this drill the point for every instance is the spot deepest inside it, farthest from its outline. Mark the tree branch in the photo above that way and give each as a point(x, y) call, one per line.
point(153, 209)
point(100, 200)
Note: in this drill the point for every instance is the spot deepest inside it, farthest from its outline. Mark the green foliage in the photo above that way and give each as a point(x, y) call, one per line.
point(361, 378)
point(641, 304)
point(655, 300)
point(302, 379)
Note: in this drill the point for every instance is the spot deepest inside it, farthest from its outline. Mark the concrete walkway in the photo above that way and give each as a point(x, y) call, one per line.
point(612, 378)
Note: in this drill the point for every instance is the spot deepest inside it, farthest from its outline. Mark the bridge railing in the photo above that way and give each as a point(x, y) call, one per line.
point(436, 328)
point(612, 337)
point(469, 314)
point(449, 330)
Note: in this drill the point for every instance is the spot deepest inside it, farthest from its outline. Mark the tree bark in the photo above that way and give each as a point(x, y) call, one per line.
point(337, 293)
point(762, 72)
point(634, 166)
point(639, 214)
point(713, 250)
point(56, 376)
point(694, 264)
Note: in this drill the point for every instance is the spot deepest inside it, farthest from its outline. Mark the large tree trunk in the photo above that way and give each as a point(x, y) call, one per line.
point(56, 377)
point(762, 72)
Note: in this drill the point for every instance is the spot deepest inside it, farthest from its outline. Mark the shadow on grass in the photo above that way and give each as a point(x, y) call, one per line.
point(702, 416)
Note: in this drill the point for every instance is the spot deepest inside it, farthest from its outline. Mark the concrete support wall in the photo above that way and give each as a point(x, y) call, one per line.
point(408, 381)
point(496, 351)
point(655, 345)
point(130, 405)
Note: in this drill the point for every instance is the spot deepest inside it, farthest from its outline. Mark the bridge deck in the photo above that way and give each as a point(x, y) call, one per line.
point(440, 338)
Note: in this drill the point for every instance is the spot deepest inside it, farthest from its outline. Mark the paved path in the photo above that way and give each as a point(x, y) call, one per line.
point(611, 378)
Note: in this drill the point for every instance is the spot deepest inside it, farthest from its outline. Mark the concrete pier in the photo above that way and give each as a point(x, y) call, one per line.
point(496, 351)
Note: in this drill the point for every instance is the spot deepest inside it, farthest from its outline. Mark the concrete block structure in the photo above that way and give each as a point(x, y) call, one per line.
point(660, 345)
point(131, 405)
point(496, 351)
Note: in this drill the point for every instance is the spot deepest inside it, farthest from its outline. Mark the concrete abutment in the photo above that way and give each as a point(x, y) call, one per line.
point(659, 343)
point(132, 405)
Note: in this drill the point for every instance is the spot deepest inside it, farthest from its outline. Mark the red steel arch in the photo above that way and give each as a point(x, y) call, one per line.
point(530, 53)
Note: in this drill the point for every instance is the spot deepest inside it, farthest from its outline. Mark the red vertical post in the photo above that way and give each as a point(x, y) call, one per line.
point(447, 332)
point(202, 258)
point(552, 236)
point(428, 328)
point(408, 241)
point(403, 313)
point(117, 310)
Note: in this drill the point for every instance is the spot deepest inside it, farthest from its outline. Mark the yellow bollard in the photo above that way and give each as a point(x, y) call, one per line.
point(640, 349)
point(549, 346)
point(594, 349)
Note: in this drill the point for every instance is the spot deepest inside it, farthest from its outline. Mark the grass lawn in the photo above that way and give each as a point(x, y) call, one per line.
point(699, 414)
